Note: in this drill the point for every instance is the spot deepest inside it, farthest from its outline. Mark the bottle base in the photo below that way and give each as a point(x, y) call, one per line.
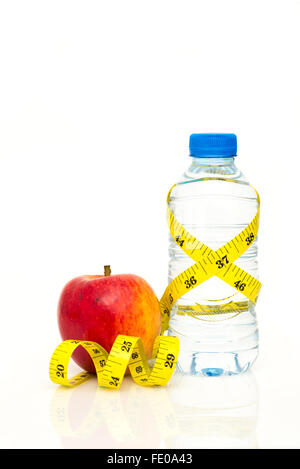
point(212, 364)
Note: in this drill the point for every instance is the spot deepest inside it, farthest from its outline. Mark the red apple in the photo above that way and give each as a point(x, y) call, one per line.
point(98, 308)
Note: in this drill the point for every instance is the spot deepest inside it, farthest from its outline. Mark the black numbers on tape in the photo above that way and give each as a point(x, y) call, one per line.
point(114, 381)
point(102, 363)
point(134, 355)
point(139, 369)
point(221, 263)
point(126, 346)
point(167, 312)
point(170, 360)
point(191, 281)
point(179, 241)
point(60, 371)
point(240, 286)
point(249, 239)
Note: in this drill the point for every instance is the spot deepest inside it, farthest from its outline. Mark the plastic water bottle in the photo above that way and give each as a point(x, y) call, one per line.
point(214, 202)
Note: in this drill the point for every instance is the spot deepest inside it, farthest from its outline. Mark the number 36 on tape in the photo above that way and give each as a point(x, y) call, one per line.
point(110, 368)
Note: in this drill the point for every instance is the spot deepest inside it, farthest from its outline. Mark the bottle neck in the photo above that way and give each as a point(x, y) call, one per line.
point(217, 161)
point(212, 167)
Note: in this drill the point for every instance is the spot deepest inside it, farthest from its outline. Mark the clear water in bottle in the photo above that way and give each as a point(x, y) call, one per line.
point(214, 202)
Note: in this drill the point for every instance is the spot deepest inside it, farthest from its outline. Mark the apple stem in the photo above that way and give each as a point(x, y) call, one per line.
point(107, 270)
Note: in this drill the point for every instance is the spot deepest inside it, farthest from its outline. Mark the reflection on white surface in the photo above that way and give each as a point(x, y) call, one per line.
point(192, 412)
point(216, 412)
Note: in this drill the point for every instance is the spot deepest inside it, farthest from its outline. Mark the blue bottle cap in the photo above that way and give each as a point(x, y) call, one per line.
point(213, 145)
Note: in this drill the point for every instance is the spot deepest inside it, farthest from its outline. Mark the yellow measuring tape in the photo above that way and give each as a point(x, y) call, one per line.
point(111, 368)
point(209, 262)
point(128, 351)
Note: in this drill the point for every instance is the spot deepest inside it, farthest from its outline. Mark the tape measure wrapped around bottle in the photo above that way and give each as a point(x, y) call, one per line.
point(209, 262)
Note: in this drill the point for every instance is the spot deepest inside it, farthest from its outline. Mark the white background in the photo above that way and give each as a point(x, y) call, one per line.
point(97, 102)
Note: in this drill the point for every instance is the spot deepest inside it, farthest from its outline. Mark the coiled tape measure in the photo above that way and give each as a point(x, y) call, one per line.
point(129, 351)
point(110, 368)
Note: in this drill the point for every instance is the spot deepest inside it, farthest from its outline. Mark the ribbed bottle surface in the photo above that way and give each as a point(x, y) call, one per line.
point(214, 202)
